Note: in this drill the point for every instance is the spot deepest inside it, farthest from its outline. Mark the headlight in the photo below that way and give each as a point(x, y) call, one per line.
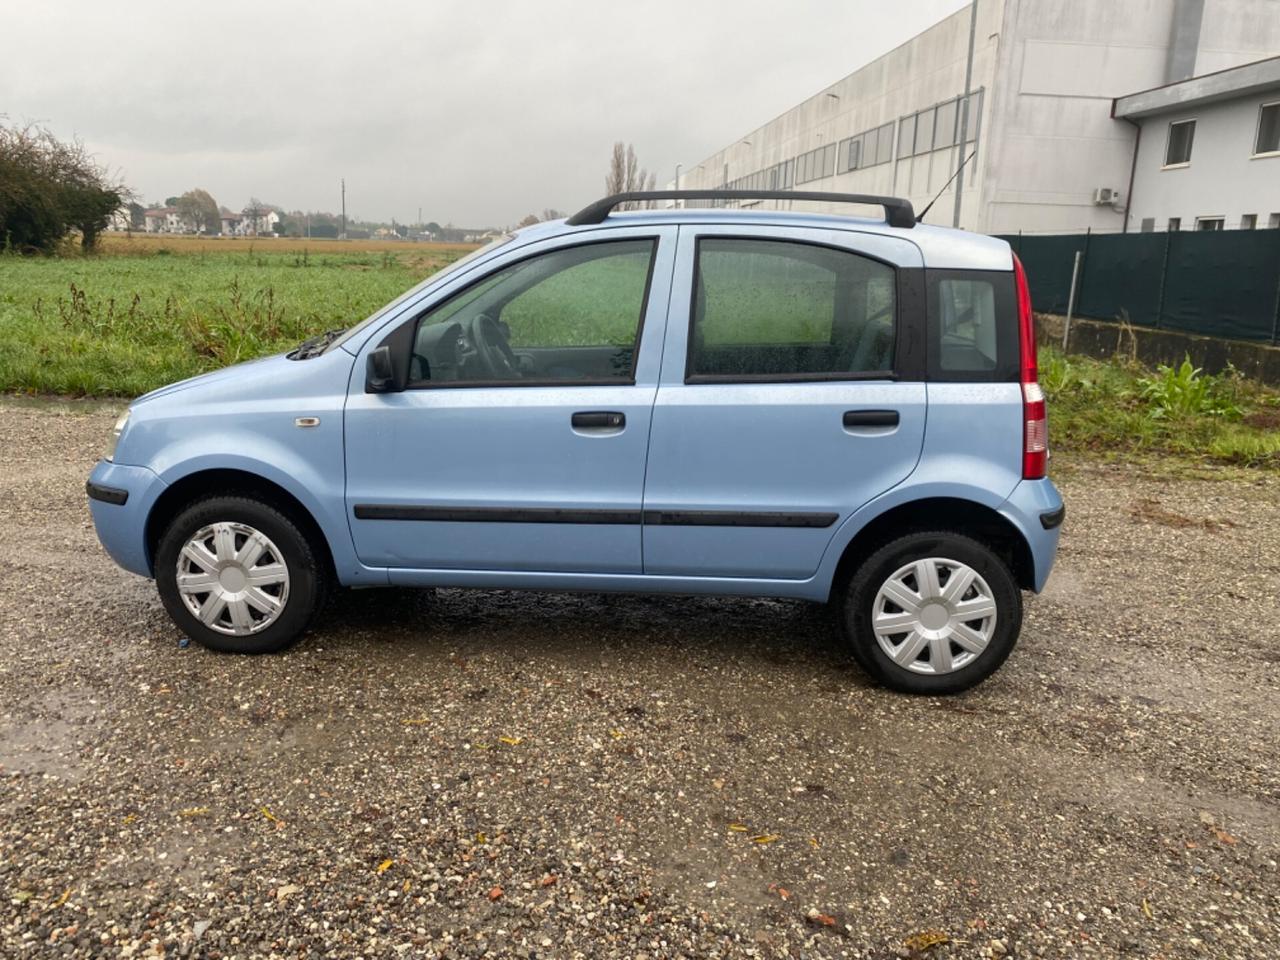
point(115, 434)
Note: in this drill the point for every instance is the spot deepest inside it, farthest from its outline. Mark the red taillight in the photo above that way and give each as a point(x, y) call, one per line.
point(1035, 425)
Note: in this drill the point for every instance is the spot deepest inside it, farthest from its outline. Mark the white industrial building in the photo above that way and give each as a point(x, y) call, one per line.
point(1049, 156)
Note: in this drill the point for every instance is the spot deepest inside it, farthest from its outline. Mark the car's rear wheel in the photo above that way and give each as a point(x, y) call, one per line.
point(934, 612)
point(238, 576)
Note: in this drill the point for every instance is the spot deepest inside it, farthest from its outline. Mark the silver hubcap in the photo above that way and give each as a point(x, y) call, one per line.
point(233, 579)
point(934, 616)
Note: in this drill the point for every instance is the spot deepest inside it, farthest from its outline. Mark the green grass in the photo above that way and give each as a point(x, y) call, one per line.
point(123, 325)
point(120, 325)
point(1116, 407)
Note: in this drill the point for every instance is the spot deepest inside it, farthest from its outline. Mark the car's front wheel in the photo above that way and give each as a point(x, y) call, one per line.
point(933, 612)
point(238, 576)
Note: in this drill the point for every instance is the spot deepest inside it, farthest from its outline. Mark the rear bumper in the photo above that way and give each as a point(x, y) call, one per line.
point(120, 499)
point(1035, 507)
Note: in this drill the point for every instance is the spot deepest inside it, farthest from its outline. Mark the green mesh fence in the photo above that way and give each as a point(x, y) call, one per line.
point(1217, 283)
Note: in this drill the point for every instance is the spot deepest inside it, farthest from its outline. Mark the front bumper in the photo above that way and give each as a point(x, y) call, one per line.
point(120, 499)
point(1035, 507)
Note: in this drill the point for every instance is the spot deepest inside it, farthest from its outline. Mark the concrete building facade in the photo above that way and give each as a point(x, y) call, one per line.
point(1048, 155)
point(1208, 153)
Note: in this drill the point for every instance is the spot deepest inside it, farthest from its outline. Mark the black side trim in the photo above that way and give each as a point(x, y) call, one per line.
point(733, 518)
point(1053, 518)
point(379, 511)
point(112, 495)
point(674, 518)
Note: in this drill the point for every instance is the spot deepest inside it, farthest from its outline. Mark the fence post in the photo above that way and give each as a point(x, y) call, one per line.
point(1164, 275)
point(1275, 317)
point(1071, 299)
point(1084, 263)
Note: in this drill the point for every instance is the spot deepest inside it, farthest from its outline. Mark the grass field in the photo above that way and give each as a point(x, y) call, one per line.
point(150, 310)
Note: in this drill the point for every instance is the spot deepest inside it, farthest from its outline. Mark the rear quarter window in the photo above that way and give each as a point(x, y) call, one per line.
point(973, 326)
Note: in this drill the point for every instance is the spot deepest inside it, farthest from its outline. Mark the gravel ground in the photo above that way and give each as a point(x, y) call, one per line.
point(495, 774)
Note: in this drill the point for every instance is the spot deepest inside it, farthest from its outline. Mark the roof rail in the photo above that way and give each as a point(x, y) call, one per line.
point(897, 212)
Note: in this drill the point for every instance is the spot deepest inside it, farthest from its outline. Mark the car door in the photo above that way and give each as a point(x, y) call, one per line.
point(791, 394)
point(520, 441)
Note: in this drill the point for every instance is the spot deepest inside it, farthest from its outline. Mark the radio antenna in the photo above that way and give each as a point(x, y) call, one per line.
point(920, 219)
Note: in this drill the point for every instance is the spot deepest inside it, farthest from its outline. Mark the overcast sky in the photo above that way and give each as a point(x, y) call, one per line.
point(477, 112)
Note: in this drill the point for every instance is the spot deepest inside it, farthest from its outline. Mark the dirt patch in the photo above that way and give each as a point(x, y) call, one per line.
point(1150, 510)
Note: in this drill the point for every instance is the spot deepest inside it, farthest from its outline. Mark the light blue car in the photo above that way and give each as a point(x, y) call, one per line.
point(688, 401)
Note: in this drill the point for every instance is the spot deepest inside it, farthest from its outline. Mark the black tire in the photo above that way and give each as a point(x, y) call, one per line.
point(862, 588)
point(307, 571)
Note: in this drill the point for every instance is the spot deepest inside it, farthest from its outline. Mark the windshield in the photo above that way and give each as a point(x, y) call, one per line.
point(413, 291)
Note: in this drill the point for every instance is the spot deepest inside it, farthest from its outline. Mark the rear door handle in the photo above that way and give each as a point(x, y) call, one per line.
point(598, 420)
point(871, 418)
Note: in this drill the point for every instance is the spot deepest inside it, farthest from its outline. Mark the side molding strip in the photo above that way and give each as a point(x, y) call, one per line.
point(669, 518)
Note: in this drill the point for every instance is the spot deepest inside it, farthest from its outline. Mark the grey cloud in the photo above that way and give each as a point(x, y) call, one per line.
point(477, 112)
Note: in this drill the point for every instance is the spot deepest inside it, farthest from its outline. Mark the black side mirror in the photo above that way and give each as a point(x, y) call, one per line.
point(380, 372)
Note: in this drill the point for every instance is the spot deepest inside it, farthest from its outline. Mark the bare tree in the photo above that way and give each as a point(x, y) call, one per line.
point(199, 209)
point(626, 175)
point(253, 212)
point(551, 213)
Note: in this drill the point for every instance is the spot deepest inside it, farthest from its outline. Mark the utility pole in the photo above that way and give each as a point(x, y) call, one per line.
point(344, 208)
point(964, 115)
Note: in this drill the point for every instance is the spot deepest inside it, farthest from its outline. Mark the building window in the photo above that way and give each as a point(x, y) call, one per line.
point(1209, 223)
point(1273, 222)
point(1268, 139)
point(884, 143)
point(1177, 151)
point(945, 131)
point(906, 137)
point(1148, 224)
point(1175, 224)
point(924, 131)
point(1249, 221)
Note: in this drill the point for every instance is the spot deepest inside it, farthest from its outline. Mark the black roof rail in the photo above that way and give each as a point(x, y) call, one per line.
point(897, 211)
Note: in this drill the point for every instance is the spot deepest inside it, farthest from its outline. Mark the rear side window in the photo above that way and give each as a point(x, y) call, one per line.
point(973, 326)
point(781, 310)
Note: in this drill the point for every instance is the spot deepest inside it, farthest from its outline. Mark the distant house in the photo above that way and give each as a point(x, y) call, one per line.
point(166, 220)
point(232, 223)
point(240, 225)
point(120, 220)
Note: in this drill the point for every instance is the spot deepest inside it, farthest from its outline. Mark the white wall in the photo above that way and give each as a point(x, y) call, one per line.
point(1053, 141)
point(1222, 179)
point(1049, 70)
point(926, 70)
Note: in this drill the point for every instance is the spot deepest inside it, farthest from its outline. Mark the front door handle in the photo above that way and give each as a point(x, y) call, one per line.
point(871, 418)
point(598, 420)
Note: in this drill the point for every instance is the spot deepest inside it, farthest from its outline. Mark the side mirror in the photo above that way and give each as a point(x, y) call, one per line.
point(380, 372)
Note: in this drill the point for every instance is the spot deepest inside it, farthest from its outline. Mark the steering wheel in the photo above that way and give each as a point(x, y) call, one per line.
point(491, 348)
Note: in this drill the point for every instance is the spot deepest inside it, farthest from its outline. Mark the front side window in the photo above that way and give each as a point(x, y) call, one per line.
point(1268, 139)
point(1178, 149)
point(572, 314)
point(767, 309)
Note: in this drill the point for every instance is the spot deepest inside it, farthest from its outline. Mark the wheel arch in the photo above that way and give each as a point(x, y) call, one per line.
point(966, 517)
point(232, 482)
